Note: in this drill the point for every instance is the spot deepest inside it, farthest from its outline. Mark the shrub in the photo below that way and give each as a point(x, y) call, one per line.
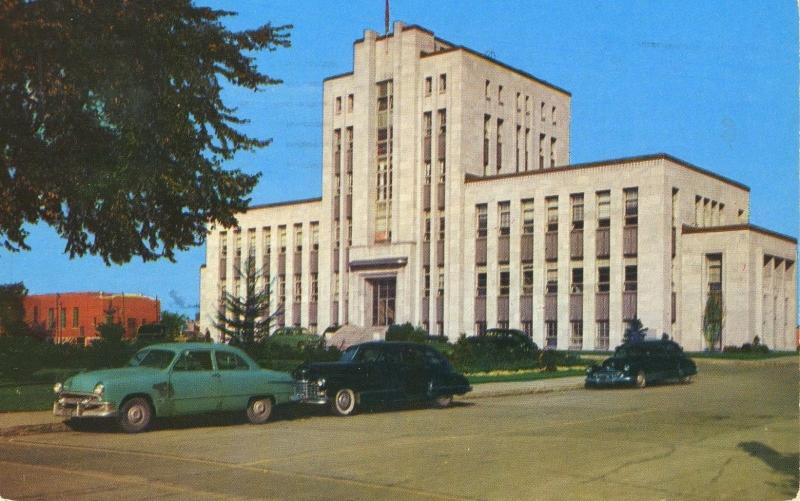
point(20, 356)
point(548, 360)
point(406, 332)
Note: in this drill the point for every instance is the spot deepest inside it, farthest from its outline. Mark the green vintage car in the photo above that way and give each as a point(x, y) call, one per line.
point(175, 379)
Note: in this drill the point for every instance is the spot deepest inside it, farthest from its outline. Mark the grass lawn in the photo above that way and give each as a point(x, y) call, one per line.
point(31, 397)
point(741, 356)
point(523, 375)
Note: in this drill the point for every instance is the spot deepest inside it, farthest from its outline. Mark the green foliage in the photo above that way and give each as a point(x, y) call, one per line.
point(756, 347)
point(12, 313)
point(548, 360)
point(174, 323)
point(713, 318)
point(406, 332)
point(634, 331)
point(113, 124)
point(20, 356)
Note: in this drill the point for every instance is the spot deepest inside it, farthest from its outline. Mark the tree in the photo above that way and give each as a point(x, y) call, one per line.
point(634, 332)
point(713, 319)
point(247, 319)
point(113, 130)
point(109, 330)
point(174, 323)
point(12, 311)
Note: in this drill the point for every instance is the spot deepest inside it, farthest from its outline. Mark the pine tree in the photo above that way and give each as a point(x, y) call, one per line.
point(247, 319)
point(713, 318)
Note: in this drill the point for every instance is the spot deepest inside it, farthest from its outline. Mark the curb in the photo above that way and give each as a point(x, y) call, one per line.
point(32, 429)
point(530, 390)
point(749, 363)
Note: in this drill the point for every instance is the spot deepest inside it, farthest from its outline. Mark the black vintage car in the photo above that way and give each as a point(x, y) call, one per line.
point(380, 372)
point(640, 363)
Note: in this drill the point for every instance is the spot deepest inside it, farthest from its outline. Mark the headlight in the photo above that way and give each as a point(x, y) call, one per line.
point(99, 389)
point(321, 382)
point(58, 387)
point(627, 367)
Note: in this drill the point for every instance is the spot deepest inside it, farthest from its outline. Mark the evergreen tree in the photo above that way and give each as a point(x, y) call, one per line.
point(713, 318)
point(247, 319)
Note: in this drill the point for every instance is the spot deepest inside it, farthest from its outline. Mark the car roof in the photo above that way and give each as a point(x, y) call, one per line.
point(189, 346)
point(388, 343)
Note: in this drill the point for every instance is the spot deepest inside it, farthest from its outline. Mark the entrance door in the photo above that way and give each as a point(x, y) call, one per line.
point(383, 292)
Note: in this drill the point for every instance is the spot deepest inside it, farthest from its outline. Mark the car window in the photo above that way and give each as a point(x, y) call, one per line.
point(349, 354)
point(158, 359)
point(412, 356)
point(227, 361)
point(433, 360)
point(370, 354)
point(194, 361)
point(393, 355)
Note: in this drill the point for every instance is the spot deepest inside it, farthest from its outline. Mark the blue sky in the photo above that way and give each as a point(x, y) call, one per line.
point(713, 83)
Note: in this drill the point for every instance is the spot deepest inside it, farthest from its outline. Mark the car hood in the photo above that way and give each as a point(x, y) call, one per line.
point(614, 363)
point(316, 369)
point(86, 381)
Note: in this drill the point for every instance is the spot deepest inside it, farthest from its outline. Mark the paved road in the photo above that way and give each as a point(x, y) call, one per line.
point(733, 433)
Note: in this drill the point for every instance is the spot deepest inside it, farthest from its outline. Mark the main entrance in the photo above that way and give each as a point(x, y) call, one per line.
point(383, 294)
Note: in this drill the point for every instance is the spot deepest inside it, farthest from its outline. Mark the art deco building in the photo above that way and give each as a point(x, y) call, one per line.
point(449, 201)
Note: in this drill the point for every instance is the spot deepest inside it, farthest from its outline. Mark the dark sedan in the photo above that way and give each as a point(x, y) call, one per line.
point(637, 364)
point(381, 372)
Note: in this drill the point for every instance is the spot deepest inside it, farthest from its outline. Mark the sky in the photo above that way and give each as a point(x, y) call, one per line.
point(713, 83)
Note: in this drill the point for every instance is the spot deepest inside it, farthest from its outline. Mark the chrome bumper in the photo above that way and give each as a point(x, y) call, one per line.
point(608, 378)
point(81, 405)
point(308, 392)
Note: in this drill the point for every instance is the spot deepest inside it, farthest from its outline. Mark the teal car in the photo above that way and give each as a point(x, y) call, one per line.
point(175, 379)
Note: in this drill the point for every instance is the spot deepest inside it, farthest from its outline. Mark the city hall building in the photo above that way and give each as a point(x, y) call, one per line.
point(449, 201)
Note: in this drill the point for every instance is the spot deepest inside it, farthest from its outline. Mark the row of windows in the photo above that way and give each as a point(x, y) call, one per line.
point(442, 84)
point(551, 284)
point(603, 201)
point(266, 233)
point(522, 162)
point(337, 104)
point(522, 100)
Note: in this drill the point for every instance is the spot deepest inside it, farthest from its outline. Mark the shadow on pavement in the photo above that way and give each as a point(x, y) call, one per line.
point(784, 464)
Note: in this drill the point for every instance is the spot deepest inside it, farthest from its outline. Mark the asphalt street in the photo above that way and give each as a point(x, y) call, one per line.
point(732, 433)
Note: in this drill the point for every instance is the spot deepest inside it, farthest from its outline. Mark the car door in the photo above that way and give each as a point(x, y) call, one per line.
point(415, 374)
point(236, 381)
point(371, 375)
point(195, 383)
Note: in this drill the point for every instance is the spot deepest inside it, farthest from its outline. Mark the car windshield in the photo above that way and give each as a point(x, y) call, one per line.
point(157, 359)
point(349, 354)
point(628, 351)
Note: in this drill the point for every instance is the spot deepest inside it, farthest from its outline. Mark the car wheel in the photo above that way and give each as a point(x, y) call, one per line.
point(686, 379)
point(344, 402)
point(259, 410)
point(135, 415)
point(641, 379)
point(443, 401)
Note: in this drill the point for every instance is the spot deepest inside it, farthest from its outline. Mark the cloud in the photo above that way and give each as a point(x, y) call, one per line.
point(180, 302)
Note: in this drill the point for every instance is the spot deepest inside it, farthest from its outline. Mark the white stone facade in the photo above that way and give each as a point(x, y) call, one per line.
point(421, 138)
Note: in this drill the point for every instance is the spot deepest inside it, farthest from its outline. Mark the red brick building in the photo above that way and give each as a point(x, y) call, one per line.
point(74, 316)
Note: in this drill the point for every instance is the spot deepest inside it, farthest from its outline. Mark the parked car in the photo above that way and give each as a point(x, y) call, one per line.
point(381, 372)
point(640, 363)
point(505, 341)
point(175, 379)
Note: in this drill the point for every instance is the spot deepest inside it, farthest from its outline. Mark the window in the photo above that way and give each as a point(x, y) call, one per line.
point(576, 333)
point(441, 226)
point(551, 334)
point(480, 283)
point(383, 178)
point(552, 213)
point(75, 319)
point(553, 115)
point(51, 318)
point(602, 335)
point(349, 232)
point(603, 209)
point(500, 95)
point(440, 292)
point(527, 105)
point(428, 85)
point(499, 148)
point(338, 106)
point(482, 220)
point(630, 278)
point(63, 318)
point(486, 91)
point(314, 287)
point(504, 212)
point(486, 120)
point(631, 206)
point(714, 272)
point(227, 361)
point(519, 102)
point(349, 103)
point(194, 361)
point(505, 282)
point(527, 279)
point(282, 239)
point(527, 216)
point(517, 139)
point(541, 150)
point(35, 314)
point(552, 152)
point(577, 281)
point(426, 281)
point(527, 140)
point(282, 289)
point(442, 83)
point(428, 173)
point(541, 112)
point(298, 238)
point(576, 201)
point(426, 235)
point(315, 236)
point(603, 279)
point(552, 281)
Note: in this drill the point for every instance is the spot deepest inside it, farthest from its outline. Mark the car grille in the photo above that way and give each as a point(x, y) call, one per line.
point(71, 400)
point(308, 390)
